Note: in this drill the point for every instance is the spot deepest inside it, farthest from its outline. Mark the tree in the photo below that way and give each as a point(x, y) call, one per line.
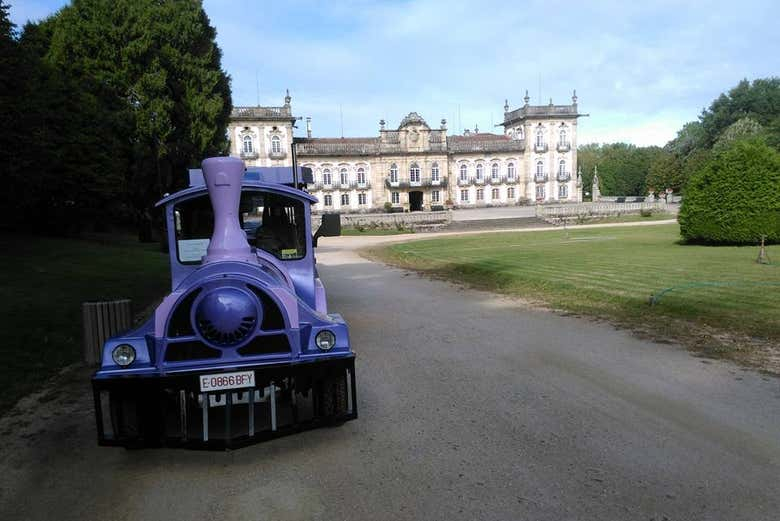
point(735, 197)
point(758, 100)
point(665, 172)
point(623, 168)
point(118, 99)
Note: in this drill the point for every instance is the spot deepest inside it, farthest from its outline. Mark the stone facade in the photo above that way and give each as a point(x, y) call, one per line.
point(414, 167)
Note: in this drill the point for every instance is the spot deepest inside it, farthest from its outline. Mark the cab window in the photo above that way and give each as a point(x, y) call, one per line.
point(272, 222)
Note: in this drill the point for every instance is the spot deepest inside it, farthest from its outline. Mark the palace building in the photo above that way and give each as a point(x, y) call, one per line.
point(415, 167)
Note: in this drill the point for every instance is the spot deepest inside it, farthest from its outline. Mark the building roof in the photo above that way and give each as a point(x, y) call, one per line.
point(283, 113)
point(484, 142)
point(326, 146)
point(541, 111)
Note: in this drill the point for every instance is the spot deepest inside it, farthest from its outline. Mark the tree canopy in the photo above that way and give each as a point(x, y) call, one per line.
point(119, 98)
point(623, 168)
point(734, 198)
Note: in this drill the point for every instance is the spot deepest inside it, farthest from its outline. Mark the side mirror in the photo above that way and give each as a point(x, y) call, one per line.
point(330, 227)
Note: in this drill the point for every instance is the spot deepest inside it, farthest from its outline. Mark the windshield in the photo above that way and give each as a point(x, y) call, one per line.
point(272, 222)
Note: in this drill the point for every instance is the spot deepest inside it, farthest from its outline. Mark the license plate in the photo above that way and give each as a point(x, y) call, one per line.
point(223, 381)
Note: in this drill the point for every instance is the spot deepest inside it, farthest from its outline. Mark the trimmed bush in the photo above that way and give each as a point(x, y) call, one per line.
point(735, 197)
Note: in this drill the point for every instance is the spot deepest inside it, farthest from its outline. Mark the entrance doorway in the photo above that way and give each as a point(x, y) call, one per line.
point(415, 201)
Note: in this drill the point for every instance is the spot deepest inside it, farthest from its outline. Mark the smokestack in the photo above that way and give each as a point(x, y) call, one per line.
point(223, 176)
point(308, 126)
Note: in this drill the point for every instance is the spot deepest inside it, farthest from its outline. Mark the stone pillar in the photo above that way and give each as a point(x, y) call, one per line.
point(596, 193)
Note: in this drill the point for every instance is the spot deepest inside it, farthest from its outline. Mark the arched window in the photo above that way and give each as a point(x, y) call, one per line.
point(540, 137)
point(510, 170)
point(520, 132)
point(494, 171)
point(248, 145)
point(464, 172)
point(361, 176)
point(326, 178)
point(562, 138)
point(343, 177)
point(562, 167)
point(540, 170)
point(393, 173)
point(480, 170)
point(276, 145)
point(435, 172)
point(414, 173)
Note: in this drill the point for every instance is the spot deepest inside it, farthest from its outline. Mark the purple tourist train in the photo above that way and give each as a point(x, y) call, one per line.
point(244, 347)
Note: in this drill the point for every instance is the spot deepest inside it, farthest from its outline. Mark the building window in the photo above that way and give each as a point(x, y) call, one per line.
point(344, 199)
point(480, 194)
point(276, 145)
point(562, 168)
point(480, 170)
point(248, 145)
point(494, 194)
point(510, 193)
point(464, 172)
point(510, 171)
point(435, 196)
point(393, 173)
point(540, 138)
point(344, 177)
point(361, 176)
point(326, 178)
point(520, 132)
point(563, 191)
point(494, 172)
point(414, 173)
point(362, 198)
point(328, 200)
point(540, 193)
point(562, 138)
point(464, 196)
point(540, 171)
point(435, 172)
point(395, 197)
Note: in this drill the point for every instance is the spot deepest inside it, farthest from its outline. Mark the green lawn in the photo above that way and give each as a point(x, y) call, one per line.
point(43, 282)
point(612, 272)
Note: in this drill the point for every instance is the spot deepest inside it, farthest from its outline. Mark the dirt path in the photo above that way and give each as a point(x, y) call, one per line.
point(471, 407)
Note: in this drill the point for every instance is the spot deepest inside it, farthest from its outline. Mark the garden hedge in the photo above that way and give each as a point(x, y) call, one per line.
point(735, 197)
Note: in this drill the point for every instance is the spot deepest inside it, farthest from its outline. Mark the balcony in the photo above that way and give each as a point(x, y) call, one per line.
point(362, 186)
point(464, 182)
point(497, 180)
point(479, 180)
point(564, 147)
point(540, 149)
point(564, 176)
point(541, 178)
point(424, 182)
point(278, 155)
point(249, 155)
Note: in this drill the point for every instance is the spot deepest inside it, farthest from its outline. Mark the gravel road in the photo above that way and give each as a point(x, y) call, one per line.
point(471, 407)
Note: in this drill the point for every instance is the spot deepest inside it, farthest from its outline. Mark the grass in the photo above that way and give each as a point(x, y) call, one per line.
point(43, 282)
point(720, 293)
point(375, 231)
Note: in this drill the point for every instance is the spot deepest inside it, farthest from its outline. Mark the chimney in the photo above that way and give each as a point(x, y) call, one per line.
point(223, 176)
point(308, 126)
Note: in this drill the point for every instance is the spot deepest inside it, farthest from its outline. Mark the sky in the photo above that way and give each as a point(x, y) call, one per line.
point(641, 69)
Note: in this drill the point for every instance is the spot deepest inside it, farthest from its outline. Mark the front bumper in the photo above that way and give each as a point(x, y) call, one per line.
point(171, 410)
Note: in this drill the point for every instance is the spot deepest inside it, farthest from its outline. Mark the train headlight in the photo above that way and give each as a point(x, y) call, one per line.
point(123, 355)
point(325, 340)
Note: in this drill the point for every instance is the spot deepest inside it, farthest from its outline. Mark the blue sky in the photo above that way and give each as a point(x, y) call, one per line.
point(641, 69)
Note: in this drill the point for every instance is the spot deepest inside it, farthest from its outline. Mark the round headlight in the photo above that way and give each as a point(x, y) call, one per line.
point(325, 340)
point(123, 355)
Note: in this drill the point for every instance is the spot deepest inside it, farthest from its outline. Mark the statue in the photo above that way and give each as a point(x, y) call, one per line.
point(595, 190)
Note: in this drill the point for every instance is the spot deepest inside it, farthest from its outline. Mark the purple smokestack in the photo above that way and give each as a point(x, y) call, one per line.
point(223, 177)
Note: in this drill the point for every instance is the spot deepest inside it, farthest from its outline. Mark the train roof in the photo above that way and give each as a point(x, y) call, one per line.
point(282, 175)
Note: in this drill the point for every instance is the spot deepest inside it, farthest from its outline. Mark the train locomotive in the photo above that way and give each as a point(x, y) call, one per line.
point(243, 348)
